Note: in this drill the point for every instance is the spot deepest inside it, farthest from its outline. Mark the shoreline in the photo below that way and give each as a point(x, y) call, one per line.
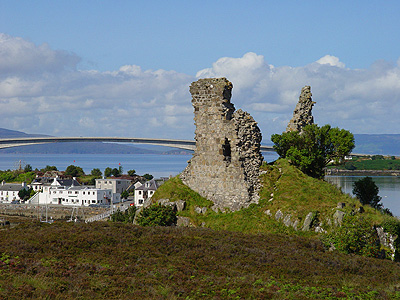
point(341, 172)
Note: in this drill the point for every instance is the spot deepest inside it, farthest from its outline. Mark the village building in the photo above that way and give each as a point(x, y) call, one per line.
point(9, 191)
point(76, 196)
point(116, 185)
point(145, 191)
point(45, 183)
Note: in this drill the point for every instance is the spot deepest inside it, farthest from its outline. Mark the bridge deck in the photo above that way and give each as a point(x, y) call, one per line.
point(181, 144)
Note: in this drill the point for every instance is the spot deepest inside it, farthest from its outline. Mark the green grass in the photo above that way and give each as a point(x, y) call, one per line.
point(370, 164)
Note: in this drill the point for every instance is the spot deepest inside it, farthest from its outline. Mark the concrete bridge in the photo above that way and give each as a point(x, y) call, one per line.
point(180, 144)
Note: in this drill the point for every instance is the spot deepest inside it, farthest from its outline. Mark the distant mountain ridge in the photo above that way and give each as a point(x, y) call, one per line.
point(7, 133)
point(384, 144)
point(70, 148)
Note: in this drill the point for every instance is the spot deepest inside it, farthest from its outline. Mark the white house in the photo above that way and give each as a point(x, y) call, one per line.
point(145, 191)
point(9, 191)
point(44, 183)
point(77, 196)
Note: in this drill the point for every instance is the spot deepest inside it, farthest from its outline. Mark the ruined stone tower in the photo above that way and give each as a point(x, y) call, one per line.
point(226, 162)
point(302, 115)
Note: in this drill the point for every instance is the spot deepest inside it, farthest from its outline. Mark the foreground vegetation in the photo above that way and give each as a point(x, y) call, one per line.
point(121, 261)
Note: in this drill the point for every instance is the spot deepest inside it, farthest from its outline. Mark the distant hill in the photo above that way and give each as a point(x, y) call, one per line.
point(71, 148)
point(7, 133)
point(385, 144)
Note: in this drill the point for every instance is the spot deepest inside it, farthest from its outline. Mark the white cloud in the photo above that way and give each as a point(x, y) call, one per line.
point(42, 91)
point(18, 56)
point(331, 60)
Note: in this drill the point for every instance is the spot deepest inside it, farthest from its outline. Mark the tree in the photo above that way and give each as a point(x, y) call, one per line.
point(343, 143)
point(49, 168)
point(25, 194)
point(314, 148)
point(147, 176)
point(132, 172)
point(157, 215)
point(28, 168)
point(125, 194)
point(96, 172)
point(74, 171)
point(116, 172)
point(107, 172)
point(367, 192)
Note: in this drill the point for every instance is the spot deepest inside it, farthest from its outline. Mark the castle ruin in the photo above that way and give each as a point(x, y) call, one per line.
point(302, 115)
point(226, 163)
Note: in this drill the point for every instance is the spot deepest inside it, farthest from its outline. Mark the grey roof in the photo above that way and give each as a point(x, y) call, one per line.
point(11, 187)
point(148, 185)
point(50, 180)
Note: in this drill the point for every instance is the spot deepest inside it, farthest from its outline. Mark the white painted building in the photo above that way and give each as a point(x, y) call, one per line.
point(145, 191)
point(9, 191)
point(45, 183)
point(77, 196)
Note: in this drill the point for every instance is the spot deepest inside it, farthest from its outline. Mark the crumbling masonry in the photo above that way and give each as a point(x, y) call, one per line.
point(302, 114)
point(226, 163)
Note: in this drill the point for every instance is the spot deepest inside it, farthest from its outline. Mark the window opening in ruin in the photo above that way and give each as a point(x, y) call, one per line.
point(226, 150)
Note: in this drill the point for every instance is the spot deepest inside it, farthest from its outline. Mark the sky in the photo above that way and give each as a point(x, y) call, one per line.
point(123, 68)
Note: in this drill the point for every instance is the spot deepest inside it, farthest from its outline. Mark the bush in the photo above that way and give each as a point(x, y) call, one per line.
point(126, 217)
point(356, 235)
point(157, 215)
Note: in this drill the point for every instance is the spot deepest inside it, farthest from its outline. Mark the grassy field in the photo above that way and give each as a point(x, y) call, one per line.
point(122, 261)
point(377, 162)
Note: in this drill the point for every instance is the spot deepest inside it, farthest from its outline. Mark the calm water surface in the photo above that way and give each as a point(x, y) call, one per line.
point(389, 189)
point(156, 165)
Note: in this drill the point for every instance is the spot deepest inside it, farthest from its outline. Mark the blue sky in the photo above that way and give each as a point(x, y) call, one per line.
point(105, 67)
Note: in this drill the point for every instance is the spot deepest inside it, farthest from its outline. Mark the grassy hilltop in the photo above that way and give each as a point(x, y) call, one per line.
point(285, 188)
point(234, 255)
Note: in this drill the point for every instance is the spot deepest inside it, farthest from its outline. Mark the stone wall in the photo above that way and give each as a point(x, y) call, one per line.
point(225, 165)
point(302, 114)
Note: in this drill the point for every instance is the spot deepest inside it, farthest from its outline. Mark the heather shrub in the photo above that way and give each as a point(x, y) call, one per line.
point(157, 215)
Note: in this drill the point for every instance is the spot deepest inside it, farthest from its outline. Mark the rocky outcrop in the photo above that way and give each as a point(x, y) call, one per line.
point(302, 114)
point(225, 165)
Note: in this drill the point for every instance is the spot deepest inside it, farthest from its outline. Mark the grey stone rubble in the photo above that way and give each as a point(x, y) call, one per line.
point(183, 222)
point(308, 222)
point(338, 217)
point(302, 114)
point(388, 241)
point(225, 166)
